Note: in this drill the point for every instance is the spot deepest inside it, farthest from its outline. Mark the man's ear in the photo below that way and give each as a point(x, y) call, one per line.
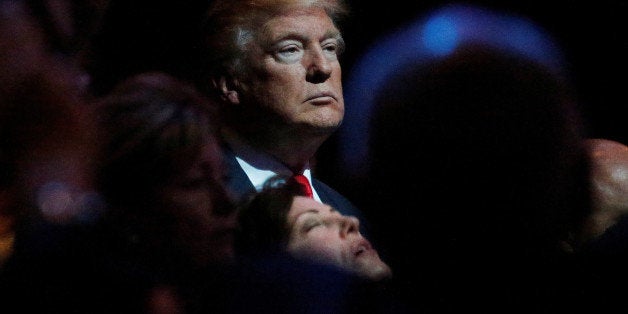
point(227, 88)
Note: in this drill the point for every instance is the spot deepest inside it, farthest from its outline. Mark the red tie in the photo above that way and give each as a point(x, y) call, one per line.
point(305, 183)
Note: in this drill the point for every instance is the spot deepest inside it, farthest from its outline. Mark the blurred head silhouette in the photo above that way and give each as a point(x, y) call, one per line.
point(609, 183)
point(476, 162)
point(161, 168)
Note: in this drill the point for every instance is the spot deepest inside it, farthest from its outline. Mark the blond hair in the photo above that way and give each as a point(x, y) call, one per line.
point(231, 24)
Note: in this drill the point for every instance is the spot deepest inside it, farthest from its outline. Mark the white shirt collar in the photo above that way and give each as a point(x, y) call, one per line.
point(260, 166)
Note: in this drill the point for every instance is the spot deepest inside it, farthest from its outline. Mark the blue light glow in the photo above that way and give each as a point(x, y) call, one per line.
point(440, 35)
point(428, 38)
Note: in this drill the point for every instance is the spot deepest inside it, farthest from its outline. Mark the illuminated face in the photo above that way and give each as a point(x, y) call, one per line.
point(198, 201)
point(294, 72)
point(321, 234)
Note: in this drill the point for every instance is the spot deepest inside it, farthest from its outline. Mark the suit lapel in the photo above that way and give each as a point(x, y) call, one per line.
point(236, 179)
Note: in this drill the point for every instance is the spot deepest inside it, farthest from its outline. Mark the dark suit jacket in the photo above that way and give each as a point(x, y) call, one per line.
point(239, 184)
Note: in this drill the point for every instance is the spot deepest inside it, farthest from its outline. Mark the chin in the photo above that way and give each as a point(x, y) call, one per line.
point(376, 271)
point(326, 126)
point(326, 117)
point(380, 273)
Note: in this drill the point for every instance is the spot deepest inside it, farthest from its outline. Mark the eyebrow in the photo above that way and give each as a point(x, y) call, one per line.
point(296, 35)
point(314, 211)
point(293, 222)
point(311, 210)
point(333, 33)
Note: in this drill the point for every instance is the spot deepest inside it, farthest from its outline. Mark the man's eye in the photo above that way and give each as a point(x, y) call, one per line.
point(331, 48)
point(289, 50)
point(289, 53)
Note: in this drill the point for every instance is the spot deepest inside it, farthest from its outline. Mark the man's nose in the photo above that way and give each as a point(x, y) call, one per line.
point(319, 67)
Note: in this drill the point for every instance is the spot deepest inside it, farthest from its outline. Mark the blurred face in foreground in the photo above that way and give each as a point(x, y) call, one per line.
point(199, 202)
point(320, 233)
point(609, 176)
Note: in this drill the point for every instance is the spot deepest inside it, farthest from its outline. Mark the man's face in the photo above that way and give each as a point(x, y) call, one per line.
point(294, 72)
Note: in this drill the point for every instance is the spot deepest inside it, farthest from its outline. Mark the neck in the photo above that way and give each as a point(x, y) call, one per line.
point(293, 151)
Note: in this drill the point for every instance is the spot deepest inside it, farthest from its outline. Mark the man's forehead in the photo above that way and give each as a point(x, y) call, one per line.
point(300, 22)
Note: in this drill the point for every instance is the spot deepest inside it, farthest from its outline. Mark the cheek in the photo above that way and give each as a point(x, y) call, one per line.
point(279, 82)
point(189, 205)
point(336, 79)
point(319, 247)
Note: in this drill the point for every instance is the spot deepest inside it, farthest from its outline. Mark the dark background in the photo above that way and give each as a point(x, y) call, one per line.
point(140, 35)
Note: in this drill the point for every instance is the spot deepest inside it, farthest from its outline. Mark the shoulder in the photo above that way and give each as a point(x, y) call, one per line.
point(235, 179)
point(338, 201)
point(332, 197)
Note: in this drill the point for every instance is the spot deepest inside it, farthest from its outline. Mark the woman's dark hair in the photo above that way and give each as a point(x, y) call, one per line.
point(153, 125)
point(263, 224)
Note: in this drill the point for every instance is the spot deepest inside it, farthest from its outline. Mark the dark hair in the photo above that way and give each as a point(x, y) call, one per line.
point(477, 159)
point(153, 125)
point(263, 224)
point(482, 118)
